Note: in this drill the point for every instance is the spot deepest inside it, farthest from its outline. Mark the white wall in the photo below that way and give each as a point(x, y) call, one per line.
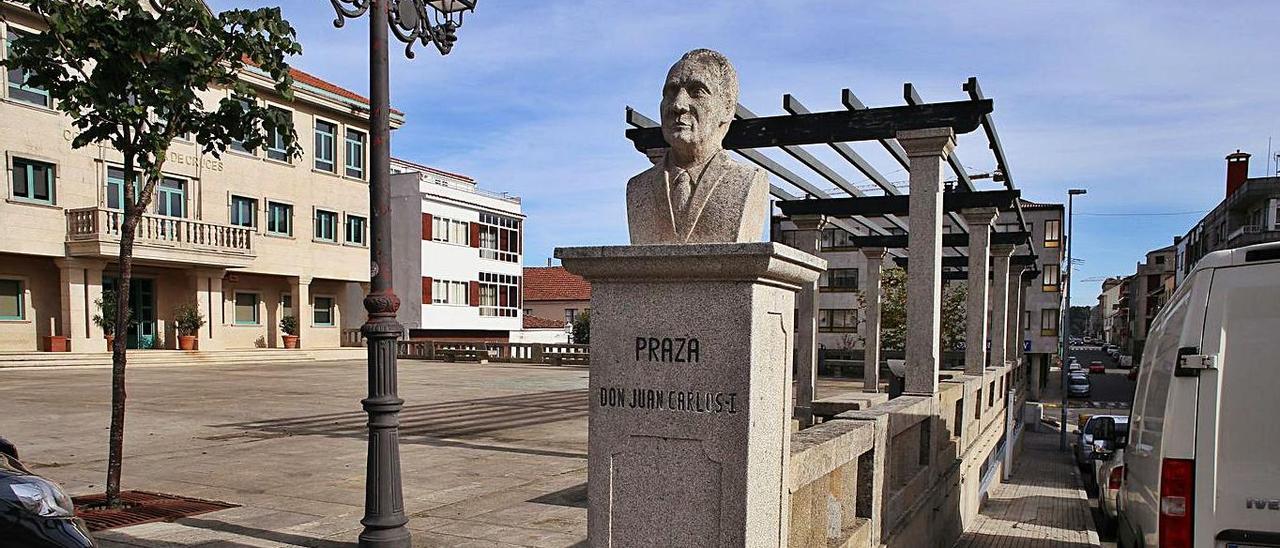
point(544, 336)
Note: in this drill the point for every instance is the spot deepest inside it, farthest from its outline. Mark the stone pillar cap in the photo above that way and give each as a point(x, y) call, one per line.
point(757, 262)
point(809, 221)
point(873, 252)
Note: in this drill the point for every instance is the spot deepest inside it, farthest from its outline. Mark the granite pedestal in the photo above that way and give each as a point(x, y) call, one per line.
point(691, 355)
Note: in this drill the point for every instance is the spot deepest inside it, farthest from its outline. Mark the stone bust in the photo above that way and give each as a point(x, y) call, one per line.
point(694, 193)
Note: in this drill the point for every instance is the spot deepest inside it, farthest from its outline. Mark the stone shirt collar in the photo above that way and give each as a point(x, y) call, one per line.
point(697, 173)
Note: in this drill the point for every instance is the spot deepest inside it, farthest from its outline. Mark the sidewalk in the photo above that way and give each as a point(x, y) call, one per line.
point(1042, 504)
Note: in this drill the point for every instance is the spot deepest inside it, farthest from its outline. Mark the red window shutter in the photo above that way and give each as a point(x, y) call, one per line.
point(475, 236)
point(475, 292)
point(426, 290)
point(426, 226)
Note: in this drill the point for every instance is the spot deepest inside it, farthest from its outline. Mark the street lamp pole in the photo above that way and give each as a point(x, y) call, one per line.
point(1066, 327)
point(384, 517)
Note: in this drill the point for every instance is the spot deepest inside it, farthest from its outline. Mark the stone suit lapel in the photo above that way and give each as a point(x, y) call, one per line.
point(662, 201)
point(711, 177)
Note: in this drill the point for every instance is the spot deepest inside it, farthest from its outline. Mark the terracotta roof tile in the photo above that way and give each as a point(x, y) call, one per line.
point(554, 283)
point(535, 322)
point(316, 82)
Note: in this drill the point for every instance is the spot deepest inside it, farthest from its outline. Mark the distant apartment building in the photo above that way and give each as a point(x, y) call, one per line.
point(840, 315)
point(250, 237)
point(1109, 303)
point(1149, 290)
point(1249, 213)
point(465, 245)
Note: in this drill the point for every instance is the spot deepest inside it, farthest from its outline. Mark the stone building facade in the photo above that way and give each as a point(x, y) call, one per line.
point(249, 237)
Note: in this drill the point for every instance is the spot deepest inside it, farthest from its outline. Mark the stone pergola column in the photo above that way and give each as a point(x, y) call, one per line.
point(807, 240)
point(1014, 335)
point(1000, 304)
point(209, 299)
point(80, 284)
point(300, 287)
point(871, 346)
point(975, 346)
point(927, 148)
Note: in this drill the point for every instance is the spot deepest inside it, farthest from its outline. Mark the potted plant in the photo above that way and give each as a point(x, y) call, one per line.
point(106, 316)
point(55, 343)
point(188, 321)
point(289, 326)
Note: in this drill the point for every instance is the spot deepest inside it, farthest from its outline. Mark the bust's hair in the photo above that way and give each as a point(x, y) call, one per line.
point(721, 68)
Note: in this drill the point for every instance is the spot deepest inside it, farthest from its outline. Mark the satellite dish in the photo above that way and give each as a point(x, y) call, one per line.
point(898, 367)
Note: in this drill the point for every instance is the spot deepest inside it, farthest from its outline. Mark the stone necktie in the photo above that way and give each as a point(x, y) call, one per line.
point(681, 189)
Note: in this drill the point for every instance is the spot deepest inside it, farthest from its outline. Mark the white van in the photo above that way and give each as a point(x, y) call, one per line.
point(1203, 456)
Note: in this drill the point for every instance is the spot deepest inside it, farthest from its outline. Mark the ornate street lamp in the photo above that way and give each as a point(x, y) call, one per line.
point(412, 21)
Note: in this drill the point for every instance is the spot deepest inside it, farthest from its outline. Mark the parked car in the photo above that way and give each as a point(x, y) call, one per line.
point(1096, 366)
point(1200, 463)
point(1109, 438)
point(1079, 386)
point(34, 511)
point(1088, 434)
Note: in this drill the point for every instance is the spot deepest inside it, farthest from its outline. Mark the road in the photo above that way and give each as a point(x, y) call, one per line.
point(1112, 394)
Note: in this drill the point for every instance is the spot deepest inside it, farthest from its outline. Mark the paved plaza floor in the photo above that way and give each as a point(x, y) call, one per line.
point(491, 455)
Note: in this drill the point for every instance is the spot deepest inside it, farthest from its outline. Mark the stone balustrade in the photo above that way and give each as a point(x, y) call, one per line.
point(96, 224)
point(543, 353)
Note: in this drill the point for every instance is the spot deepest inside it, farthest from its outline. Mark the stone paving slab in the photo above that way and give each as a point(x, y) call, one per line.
point(1041, 506)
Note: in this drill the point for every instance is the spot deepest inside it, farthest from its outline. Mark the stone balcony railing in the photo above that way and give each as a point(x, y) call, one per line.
point(1252, 234)
point(95, 231)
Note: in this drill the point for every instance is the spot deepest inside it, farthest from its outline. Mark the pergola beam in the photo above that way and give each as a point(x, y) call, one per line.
point(836, 126)
point(950, 240)
point(897, 205)
point(963, 262)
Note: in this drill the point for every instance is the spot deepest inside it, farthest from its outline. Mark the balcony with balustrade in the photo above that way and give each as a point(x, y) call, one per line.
point(95, 232)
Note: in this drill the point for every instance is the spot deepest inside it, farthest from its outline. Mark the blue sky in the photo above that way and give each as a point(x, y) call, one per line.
point(1138, 102)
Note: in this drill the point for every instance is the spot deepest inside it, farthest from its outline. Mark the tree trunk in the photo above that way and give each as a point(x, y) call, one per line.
point(115, 455)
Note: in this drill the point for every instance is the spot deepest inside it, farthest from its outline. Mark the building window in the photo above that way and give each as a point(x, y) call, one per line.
point(839, 279)
point(450, 231)
point(499, 295)
point(325, 132)
point(236, 144)
point(1026, 320)
point(836, 238)
point(286, 302)
point(499, 238)
point(838, 320)
point(1050, 279)
point(12, 305)
point(354, 159)
point(570, 315)
point(244, 211)
point(33, 181)
point(355, 229)
point(18, 88)
point(322, 312)
point(326, 226)
point(1052, 232)
point(171, 197)
point(280, 218)
point(115, 188)
point(449, 292)
point(276, 148)
point(246, 312)
point(1049, 322)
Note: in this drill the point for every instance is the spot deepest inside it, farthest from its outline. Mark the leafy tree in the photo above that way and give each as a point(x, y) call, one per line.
point(582, 328)
point(131, 77)
point(893, 312)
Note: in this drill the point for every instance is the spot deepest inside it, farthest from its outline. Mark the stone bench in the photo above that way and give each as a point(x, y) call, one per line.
point(826, 408)
point(463, 354)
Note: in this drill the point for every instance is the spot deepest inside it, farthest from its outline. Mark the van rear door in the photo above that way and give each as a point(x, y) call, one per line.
point(1237, 473)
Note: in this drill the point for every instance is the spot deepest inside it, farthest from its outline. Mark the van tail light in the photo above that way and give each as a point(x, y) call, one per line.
point(1176, 502)
point(1113, 480)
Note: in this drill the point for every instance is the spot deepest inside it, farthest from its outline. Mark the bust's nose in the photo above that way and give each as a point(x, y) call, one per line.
point(680, 102)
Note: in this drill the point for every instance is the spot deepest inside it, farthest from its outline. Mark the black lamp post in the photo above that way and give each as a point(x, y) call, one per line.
point(422, 21)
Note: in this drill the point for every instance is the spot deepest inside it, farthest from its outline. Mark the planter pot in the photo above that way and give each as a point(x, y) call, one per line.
point(111, 339)
point(186, 342)
point(290, 341)
point(56, 343)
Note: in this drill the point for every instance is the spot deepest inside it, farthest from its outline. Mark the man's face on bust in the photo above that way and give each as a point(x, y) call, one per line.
point(695, 110)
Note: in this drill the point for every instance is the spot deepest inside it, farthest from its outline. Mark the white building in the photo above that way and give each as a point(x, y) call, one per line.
point(466, 246)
